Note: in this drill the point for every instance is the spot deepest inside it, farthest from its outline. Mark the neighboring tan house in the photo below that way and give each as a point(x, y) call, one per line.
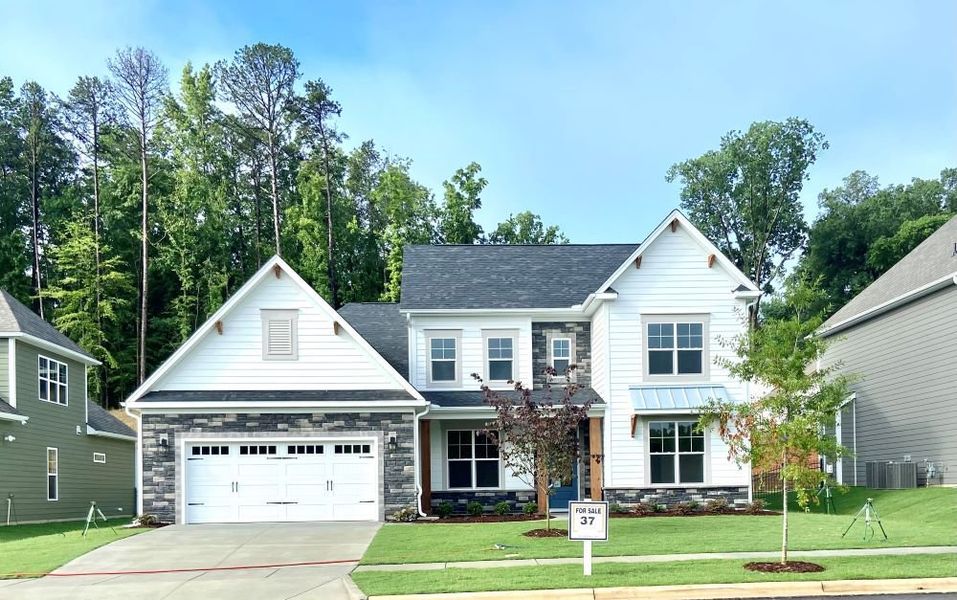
point(58, 450)
point(280, 409)
point(898, 337)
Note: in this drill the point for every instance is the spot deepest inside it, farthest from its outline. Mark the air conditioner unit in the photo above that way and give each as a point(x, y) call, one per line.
point(901, 475)
point(875, 474)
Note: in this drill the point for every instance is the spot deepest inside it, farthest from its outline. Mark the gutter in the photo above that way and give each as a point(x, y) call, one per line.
point(416, 458)
point(138, 459)
point(107, 434)
point(12, 417)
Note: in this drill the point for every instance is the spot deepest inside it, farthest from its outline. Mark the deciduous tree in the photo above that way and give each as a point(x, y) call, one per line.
point(526, 228)
point(462, 198)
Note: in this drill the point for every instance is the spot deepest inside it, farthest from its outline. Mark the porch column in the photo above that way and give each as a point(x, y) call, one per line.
point(595, 450)
point(425, 465)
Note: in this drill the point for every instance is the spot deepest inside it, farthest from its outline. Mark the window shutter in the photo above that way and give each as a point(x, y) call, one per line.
point(280, 337)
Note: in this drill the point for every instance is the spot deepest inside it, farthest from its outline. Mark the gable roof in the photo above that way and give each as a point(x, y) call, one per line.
point(383, 326)
point(102, 421)
point(274, 263)
point(932, 263)
point(16, 318)
point(506, 276)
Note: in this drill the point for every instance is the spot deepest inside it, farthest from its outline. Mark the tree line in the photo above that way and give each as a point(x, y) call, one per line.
point(129, 213)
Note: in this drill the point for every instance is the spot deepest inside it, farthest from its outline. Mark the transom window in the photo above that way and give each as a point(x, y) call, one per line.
point(52, 379)
point(99, 457)
point(561, 355)
point(442, 359)
point(500, 355)
point(257, 450)
point(53, 474)
point(473, 460)
point(676, 449)
point(353, 448)
point(675, 348)
point(210, 450)
point(305, 449)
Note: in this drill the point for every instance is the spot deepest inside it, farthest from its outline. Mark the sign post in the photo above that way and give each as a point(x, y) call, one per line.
point(588, 522)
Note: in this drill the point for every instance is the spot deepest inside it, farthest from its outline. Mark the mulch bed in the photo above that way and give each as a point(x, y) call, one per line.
point(629, 515)
point(700, 513)
point(791, 566)
point(482, 519)
point(546, 533)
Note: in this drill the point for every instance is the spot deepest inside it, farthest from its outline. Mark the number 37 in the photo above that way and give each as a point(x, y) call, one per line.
point(587, 520)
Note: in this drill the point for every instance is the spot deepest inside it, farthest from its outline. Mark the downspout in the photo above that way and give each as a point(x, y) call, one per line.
point(138, 459)
point(416, 458)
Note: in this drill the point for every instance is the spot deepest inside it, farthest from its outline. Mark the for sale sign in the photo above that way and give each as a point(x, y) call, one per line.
point(588, 521)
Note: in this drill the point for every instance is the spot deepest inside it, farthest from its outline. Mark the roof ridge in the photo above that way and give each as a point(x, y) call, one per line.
point(590, 245)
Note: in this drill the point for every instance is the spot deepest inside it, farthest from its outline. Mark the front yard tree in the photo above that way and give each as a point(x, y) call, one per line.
point(787, 427)
point(537, 441)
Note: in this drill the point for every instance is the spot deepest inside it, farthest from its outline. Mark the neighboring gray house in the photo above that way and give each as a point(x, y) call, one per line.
point(899, 338)
point(58, 450)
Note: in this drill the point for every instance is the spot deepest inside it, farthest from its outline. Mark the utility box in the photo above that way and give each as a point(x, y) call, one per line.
point(875, 474)
point(901, 475)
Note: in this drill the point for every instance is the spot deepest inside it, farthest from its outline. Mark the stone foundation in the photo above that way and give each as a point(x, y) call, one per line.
point(517, 500)
point(736, 496)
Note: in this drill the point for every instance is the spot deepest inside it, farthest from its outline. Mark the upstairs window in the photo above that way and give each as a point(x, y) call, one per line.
point(52, 375)
point(280, 336)
point(443, 357)
point(561, 355)
point(500, 355)
point(675, 348)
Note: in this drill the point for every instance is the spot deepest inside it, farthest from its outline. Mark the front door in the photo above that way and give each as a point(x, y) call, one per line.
point(564, 491)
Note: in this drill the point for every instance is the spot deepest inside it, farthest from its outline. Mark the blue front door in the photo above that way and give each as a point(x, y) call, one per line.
point(564, 492)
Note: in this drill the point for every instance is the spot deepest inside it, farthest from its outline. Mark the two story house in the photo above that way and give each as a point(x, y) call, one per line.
point(280, 408)
point(58, 450)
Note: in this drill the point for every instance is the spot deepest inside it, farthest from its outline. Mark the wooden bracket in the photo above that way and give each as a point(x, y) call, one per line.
point(634, 424)
point(638, 262)
point(711, 259)
point(277, 270)
point(219, 327)
point(674, 225)
point(335, 328)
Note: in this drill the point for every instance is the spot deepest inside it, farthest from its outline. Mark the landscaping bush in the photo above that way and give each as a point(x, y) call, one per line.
point(687, 508)
point(643, 508)
point(530, 508)
point(502, 508)
point(405, 515)
point(474, 508)
point(659, 508)
point(717, 505)
point(755, 507)
point(619, 509)
point(146, 520)
point(444, 509)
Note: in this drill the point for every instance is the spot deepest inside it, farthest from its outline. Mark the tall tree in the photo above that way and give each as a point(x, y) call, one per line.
point(259, 81)
point(141, 86)
point(14, 247)
point(317, 109)
point(526, 228)
point(744, 195)
point(462, 198)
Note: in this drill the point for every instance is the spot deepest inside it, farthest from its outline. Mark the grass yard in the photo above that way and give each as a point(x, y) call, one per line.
point(40, 548)
point(918, 517)
point(614, 575)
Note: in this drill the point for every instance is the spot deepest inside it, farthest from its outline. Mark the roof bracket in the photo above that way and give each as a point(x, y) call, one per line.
point(674, 225)
point(711, 258)
point(638, 262)
point(335, 328)
point(277, 270)
point(219, 327)
point(634, 424)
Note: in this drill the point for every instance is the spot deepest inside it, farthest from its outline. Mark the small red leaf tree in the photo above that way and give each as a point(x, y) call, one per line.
point(788, 427)
point(537, 440)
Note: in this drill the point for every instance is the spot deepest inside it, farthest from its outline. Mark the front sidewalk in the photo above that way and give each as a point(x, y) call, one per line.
point(712, 591)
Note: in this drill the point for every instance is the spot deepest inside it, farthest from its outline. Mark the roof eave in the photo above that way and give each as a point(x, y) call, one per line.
point(5, 416)
point(109, 434)
point(41, 343)
point(141, 405)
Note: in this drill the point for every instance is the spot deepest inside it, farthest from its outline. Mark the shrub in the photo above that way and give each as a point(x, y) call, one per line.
point(659, 508)
point(643, 508)
point(530, 508)
point(406, 514)
point(687, 508)
point(616, 508)
point(755, 507)
point(444, 508)
point(717, 505)
point(502, 508)
point(474, 508)
point(146, 520)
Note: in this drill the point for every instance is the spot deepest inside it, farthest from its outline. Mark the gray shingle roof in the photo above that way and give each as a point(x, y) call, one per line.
point(932, 260)
point(15, 317)
point(6, 408)
point(276, 396)
point(456, 399)
point(506, 276)
point(384, 327)
point(101, 420)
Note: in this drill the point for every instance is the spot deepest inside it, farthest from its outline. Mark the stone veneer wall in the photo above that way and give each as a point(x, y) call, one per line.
point(579, 331)
point(736, 496)
point(160, 495)
point(460, 499)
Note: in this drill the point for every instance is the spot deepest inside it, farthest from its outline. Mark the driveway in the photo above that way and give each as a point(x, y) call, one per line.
point(208, 546)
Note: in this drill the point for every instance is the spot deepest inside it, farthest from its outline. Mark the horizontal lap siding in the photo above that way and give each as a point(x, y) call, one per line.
point(674, 276)
point(907, 388)
point(233, 360)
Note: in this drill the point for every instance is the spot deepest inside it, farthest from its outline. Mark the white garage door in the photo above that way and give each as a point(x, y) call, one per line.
point(254, 481)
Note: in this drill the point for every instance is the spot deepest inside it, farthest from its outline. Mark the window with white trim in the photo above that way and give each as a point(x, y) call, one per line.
point(53, 474)
point(473, 461)
point(501, 352)
point(280, 335)
point(561, 355)
point(675, 348)
point(99, 457)
point(676, 452)
point(442, 359)
point(52, 379)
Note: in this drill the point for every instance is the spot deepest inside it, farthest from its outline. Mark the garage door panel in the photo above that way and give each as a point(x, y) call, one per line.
point(252, 513)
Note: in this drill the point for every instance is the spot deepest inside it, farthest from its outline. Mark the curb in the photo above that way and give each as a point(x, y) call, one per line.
point(782, 589)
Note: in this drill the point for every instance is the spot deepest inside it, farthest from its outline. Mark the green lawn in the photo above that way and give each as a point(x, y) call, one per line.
point(40, 548)
point(919, 517)
point(620, 574)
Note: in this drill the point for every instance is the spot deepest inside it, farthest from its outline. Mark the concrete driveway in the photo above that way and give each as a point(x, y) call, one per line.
point(207, 546)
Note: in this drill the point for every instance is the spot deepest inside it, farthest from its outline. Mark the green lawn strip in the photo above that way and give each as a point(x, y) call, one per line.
point(621, 574)
point(919, 517)
point(41, 548)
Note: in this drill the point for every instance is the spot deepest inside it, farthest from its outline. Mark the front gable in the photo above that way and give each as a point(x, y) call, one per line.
point(227, 353)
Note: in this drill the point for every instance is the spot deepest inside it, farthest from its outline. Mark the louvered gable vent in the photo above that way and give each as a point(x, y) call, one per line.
point(279, 334)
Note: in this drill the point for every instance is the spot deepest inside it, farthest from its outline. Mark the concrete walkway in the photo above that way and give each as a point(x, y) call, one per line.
point(656, 558)
point(192, 551)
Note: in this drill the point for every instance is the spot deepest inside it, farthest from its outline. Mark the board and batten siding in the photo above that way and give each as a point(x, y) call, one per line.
point(906, 395)
point(674, 277)
point(23, 466)
point(472, 355)
point(233, 360)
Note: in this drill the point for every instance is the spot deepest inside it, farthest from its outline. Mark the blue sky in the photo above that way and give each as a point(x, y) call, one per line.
point(574, 110)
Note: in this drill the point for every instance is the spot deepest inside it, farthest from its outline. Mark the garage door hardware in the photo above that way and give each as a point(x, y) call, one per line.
point(328, 485)
point(282, 458)
point(282, 503)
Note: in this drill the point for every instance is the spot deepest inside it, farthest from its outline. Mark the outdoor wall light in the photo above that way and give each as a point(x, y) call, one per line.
point(393, 441)
point(164, 441)
point(9, 438)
